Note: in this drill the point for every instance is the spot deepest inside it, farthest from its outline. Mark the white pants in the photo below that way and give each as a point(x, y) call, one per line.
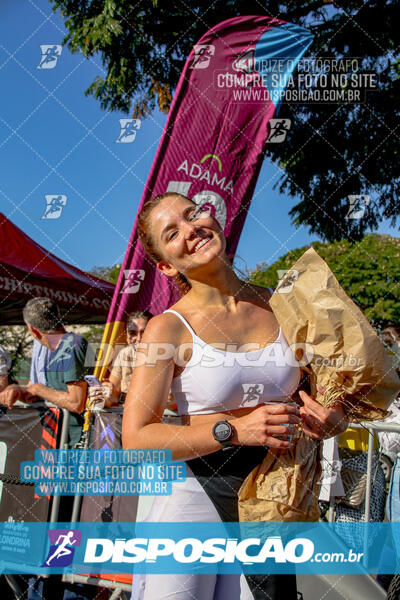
point(188, 502)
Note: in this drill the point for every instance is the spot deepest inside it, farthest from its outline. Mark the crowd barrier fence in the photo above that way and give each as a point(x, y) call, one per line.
point(122, 584)
point(372, 429)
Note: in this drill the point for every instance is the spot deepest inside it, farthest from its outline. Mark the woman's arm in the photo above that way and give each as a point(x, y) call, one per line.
point(148, 395)
point(116, 386)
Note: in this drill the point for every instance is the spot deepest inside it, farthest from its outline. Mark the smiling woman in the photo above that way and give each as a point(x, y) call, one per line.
point(232, 411)
point(170, 232)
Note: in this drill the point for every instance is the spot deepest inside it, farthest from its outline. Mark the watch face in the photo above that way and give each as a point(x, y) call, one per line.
point(223, 431)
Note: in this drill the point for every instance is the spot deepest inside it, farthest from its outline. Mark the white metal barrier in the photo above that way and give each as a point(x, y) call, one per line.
point(120, 588)
point(372, 428)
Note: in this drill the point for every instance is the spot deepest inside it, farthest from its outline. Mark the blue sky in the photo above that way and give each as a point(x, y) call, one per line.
point(54, 140)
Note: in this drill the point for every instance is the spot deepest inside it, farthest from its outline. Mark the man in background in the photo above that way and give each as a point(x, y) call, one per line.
point(63, 365)
point(391, 337)
point(57, 372)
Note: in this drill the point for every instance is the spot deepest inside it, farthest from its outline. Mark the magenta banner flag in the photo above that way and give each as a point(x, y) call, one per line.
point(212, 147)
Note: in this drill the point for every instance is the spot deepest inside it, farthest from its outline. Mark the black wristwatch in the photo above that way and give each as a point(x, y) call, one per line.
point(223, 433)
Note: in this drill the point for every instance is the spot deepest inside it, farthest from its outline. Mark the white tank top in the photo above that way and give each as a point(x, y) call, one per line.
point(215, 380)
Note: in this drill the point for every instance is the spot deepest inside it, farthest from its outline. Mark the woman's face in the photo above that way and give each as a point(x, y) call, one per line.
point(187, 238)
point(135, 330)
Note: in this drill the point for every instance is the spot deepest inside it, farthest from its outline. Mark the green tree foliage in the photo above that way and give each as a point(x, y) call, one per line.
point(94, 333)
point(332, 151)
point(107, 273)
point(18, 342)
point(369, 271)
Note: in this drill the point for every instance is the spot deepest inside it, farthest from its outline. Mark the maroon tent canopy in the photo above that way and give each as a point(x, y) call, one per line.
point(27, 270)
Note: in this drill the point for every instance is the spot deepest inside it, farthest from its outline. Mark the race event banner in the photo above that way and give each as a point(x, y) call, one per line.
point(211, 150)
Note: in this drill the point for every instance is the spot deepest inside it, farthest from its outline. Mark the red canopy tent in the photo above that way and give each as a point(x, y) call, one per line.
point(28, 270)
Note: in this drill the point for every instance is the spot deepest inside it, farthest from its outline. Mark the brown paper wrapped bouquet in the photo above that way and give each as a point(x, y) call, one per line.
point(345, 357)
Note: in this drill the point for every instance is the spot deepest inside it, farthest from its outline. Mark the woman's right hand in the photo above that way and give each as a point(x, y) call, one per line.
point(266, 425)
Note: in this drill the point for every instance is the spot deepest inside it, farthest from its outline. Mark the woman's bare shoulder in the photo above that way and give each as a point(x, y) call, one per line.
point(165, 327)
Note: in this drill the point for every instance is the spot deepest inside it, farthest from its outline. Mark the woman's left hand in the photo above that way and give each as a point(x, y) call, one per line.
point(319, 422)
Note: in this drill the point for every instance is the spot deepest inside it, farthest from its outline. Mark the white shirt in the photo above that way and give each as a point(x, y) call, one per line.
point(390, 440)
point(40, 355)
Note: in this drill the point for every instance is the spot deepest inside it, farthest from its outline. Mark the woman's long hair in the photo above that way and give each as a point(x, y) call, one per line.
point(147, 240)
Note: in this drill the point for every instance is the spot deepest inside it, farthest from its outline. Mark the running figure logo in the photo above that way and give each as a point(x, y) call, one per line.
point(279, 129)
point(50, 55)
point(61, 553)
point(330, 471)
point(251, 393)
point(133, 279)
point(54, 205)
point(62, 360)
point(212, 203)
point(357, 206)
point(129, 127)
point(202, 56)
point(287, 277)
